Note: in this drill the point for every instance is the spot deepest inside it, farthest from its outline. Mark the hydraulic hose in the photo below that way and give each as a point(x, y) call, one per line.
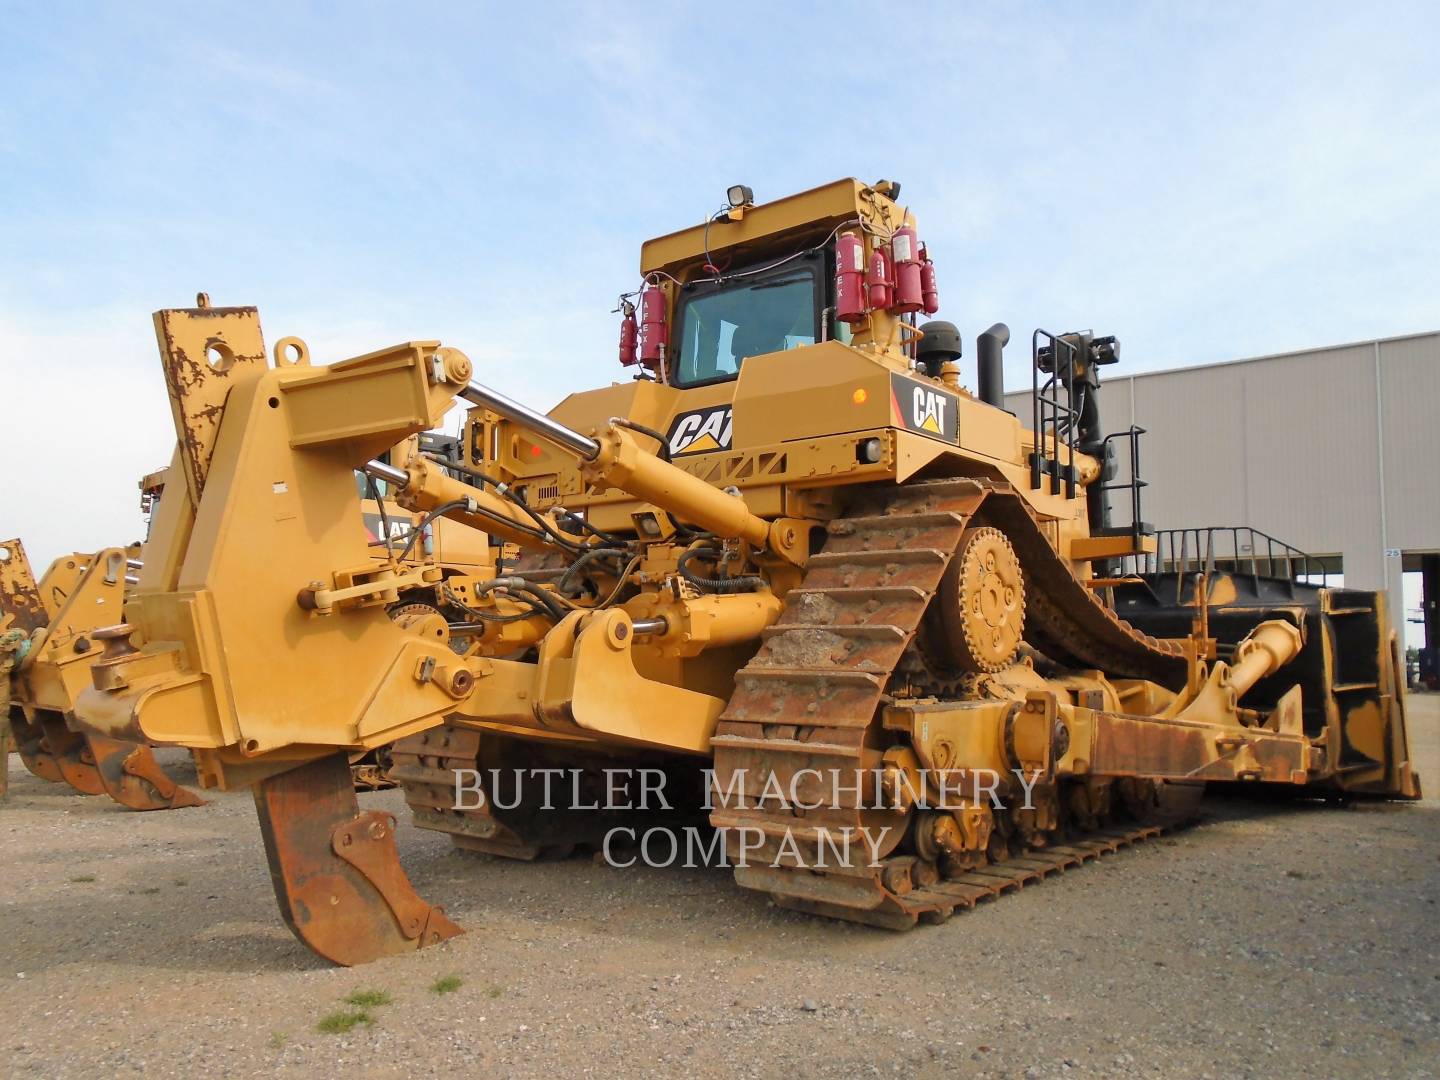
point(543, 597)
point(418, 530)
point(648, 432)
point(722, 586)
point(485, 616)
point(563, 586)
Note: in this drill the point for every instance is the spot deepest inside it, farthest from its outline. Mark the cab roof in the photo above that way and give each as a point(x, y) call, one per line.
point(763, 227)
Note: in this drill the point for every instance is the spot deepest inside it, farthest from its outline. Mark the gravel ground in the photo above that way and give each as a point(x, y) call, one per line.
point(1273, 940)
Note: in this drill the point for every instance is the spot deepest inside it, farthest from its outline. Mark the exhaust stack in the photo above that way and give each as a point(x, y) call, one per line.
point(990, 361)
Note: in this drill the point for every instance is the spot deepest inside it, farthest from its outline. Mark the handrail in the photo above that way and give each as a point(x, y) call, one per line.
point(1237, 549)
point(1046, 408)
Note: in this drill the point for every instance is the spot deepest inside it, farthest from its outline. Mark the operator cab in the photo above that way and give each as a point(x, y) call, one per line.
point(748, 313)
point(754, 280)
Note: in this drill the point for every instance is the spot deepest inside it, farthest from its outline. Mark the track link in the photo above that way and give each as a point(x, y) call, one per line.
point(425, 765)
point(936, 902)
point(537, 819)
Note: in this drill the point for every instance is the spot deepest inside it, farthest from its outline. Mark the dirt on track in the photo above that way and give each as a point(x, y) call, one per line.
point(1274, 940)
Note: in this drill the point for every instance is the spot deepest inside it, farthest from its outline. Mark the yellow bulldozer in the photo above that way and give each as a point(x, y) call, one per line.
point(792, 575)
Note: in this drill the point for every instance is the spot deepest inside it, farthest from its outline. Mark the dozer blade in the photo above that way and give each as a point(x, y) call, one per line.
point(133, 778)
point(70, 754)
point(336, 871)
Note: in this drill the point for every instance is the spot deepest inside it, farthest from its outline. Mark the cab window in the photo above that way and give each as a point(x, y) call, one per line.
point(721, 325)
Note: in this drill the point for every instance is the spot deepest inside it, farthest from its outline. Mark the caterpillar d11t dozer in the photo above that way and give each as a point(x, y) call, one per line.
point(793, 567)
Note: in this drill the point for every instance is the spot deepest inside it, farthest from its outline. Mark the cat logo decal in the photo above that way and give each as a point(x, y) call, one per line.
point(924, 409)
point(701, 431)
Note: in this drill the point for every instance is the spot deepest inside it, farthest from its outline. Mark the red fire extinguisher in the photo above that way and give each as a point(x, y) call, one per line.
point(849, 278)
point(905, 247)
point(878, 284)
point(928, 293)
point(629, 334)
point(654, 331)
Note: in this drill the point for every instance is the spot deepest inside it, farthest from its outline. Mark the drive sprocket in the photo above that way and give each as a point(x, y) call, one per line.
point(977, 619)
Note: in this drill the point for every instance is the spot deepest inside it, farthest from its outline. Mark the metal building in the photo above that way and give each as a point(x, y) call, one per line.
point(1333, 450)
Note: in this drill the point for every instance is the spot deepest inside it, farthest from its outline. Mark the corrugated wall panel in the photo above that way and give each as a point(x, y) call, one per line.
point(1312, 476)
point(1410, 397)
point(1194, 448)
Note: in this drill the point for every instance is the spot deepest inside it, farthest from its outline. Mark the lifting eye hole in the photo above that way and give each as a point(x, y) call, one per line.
point(274, 402)
point(291, 352)
point(219, 356)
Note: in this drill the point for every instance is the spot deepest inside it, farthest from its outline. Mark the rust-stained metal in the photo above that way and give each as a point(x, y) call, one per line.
point(21, 605)
point(936, 901)
point(12, 642)
point(336, 871)
point(133, 778)
point(34, 752)
point(203, 351)
point(809, 703)
point(94, 764)
point(69, 752)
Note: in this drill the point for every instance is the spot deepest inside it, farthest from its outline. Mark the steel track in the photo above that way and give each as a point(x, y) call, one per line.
point(810, 700)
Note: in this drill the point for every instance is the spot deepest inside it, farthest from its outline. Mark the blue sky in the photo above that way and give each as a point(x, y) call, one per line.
point(1207, 181)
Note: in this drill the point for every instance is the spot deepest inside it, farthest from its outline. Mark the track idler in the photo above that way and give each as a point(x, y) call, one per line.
point(133, 778)
point(336, 870)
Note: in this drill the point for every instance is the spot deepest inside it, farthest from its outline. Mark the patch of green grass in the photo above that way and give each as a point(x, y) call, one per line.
point(368, 999)
point(343, 1020)
point(495, 991)
point(149, 892)
point(278, 1038)
point(446, 985)
point(82, 879)
point(182, 882)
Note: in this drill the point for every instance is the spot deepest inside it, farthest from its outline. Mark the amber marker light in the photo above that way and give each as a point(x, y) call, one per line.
point(860, 396)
